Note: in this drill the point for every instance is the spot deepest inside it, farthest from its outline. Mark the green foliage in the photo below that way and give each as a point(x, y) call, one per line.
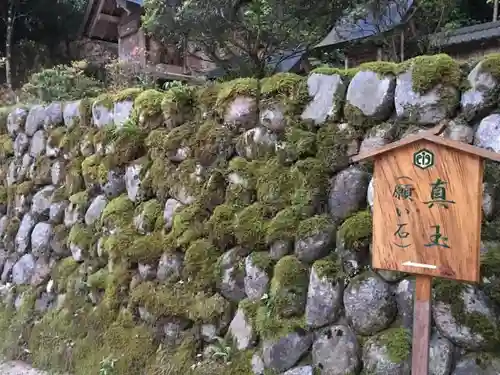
point(63, 83)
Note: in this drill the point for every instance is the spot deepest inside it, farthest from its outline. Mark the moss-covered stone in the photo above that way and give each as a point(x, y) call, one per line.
point(24, 188)
point(98, 279)
point(429, 71)
point(117, 245)
point(310, 178)
point(315, 225)
point(188, 225)
point(73, 179)
point(81, 236)
point(272, 327)
point(212, 142)
point(250, 225)
point(397, 342)
point(179, 138)
point(118, 213)
point(127, 94)
point(284, 225)
point(62, 271)
point(149, 102)
point(146, 249)
point(237, 87)
point(178, 105)
point(274, 184)
point(288, 88)
point(451, 293)
point(289, 286)
point(70, 141)
point(333, 146)
point(42, 171)
point(329, 268)
point(4, 195)
point(200, 264)
point(104, 100)
point(159, 178)
point(6, 147)
point(262, 260)
point(242, 176)
point(344, 73)
point(219, 226)
point(80, 199)
point(356, 230)
point(90, 170)
point(149, 212)
point(298, 144)
point(382, 68)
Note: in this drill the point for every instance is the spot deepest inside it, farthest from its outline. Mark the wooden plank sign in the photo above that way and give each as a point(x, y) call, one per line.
point(427, 218)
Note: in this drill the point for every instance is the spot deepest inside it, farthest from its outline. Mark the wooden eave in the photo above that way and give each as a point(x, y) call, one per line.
point(431, 137)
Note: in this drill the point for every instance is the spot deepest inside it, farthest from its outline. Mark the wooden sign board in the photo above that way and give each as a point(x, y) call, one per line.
point(427, 211)
point(427, 206)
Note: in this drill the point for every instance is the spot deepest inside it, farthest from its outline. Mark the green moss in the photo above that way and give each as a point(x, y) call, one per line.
point(284, 225)
point(273, 327)
point(117, 286)
point(219, 226)
point(356, 230)
point(250, 225)
point(98, 279)
point(127, 94)
point(289, 88)
point(357, 119)
point(429, 71)
point(150, 212)
point(127, 144)
point(105, 100)
point(6, 146)
point(310, 178)
point(329, 268)
point(189, 224)
point(149, 102)
point(333, 145)
point(274, 184)
point(397, 342)
point(118, 212)
point(73, 179)
point(451, 293)
point(262, 261)
point(345, 73)
point(175, 360)
point(4, 195)
point(55, 136)
point(146, 249)
point(81, 236)
point(70, 141)
point(160, 175)
point(178, 137)
point(24, 188)
point(211, 142)
point(200, 264)
point(178, 97)
point(299, 143)
point(42, 170)
point(118, 245)
point(238, 87)
point(90, 170)
point(12, 228)
point(491, 64)
point(315, 225)
point(289, 285)
point(80, 199)
point(62, 271)
point(382, 68)
point(59, 195)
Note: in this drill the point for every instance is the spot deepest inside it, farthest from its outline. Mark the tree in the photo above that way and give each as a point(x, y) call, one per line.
point(241, 34)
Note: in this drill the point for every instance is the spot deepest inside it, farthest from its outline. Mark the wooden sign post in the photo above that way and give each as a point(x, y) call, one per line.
point(427, 218)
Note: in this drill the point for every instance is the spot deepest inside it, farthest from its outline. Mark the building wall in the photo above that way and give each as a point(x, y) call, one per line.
point(94, 51)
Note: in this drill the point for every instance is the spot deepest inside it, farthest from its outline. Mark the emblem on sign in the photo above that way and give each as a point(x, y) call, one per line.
point(423, 159)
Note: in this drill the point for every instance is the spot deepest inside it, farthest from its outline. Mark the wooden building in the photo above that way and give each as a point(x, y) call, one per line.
point(119, 22)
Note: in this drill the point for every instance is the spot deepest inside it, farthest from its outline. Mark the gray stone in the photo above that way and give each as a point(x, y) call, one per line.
point(282, 354)
point(4, 255)
point(44, 302)
point(40, 239)
point(391, 276)
point(56, 212)
point(171, 206)
point(4, 222)
point(316, 246)
point(12, 173)
point(324, 300)
point(115, 184)
point(35, 120)
point(328, 92)
point(146, 271)
point(58, 173)
point(379, 103)
point(458, 130)
point(404, 292)
point(16, 121)
point(488, 133)
point(95, 209)
point(38, 143)
point(232, 285)
point(469, 337)
point(369, 303)
point(23, 236)
point(53, 115)
point(489, 203)
point(377, 359)
point(133, 181)
point(170, 267)
point(280, 248)
point(377, 137)
point(102, 115)
point(477, 364)
point(73, 214)
point(241, 113)
point(257, 365)
point(430, 108)
point(303, 370)
point(348, 193)
point(256, 143)
point(441, 355)
point(256, 280)
point(23, 270)
point(480, 97)
point(8, 266)
point(41, 273)
point(41, 201)
point(273, 117)
point(71, 114)
point(21, 144)
point(121, 112)
point(336, 351)
point(242, 331)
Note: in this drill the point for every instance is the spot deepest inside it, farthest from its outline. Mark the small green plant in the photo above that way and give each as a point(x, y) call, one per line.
point(107, 366)
point(223, 350)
